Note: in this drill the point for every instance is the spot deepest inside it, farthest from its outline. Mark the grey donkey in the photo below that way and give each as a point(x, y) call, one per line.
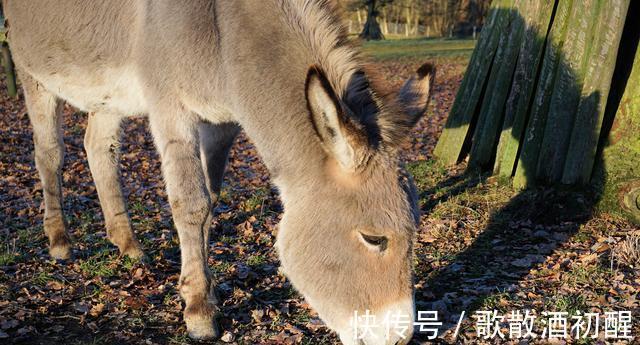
point(286, 73)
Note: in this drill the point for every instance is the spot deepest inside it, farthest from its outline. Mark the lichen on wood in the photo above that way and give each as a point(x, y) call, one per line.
point(455, 134)
point(619, 170)
point(537, 22)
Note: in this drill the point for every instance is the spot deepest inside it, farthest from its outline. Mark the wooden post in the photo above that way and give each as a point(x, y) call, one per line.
point(456, 131)
point(539, 98)
point(567, 89)
point(525, 174)
point(619, 170)
point(9, 70)
point(537, 21)
point(581, 154)
point(492, 110)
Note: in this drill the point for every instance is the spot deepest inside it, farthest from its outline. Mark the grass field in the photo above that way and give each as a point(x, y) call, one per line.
point(417, 48)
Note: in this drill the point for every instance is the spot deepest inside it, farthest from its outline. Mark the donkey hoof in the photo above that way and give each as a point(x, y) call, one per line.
point(202, 328)
point(133, 251)
point(60, 252)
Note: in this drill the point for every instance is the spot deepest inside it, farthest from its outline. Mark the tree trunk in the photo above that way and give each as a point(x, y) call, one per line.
point(533, 103)
point(385, 25)
point(407, 20)
point(397, 31)
point(371, 29)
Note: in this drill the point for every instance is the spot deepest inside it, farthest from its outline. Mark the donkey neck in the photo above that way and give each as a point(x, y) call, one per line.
point(271, 46)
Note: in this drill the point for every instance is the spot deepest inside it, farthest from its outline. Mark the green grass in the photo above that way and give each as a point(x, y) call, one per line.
point(140, 216)
point(100, 265)
point(256, 200)
point(128, 263)
point(494, 301)
point(22, 239)
point(582, 236)
point(8, 258)
point(138, 208)
point(256, 260)
point(221, 268)
point(595, 276)
point(228, 240)
point(426, 174)
point(573, 304)
point(86, 220)
point(42, 278)
point(418, 48)
point(301, 316)
point(32, 237)
point(180, 339)
point(99, 340)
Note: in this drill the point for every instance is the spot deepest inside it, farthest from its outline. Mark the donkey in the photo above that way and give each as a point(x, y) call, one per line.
point(285, 72)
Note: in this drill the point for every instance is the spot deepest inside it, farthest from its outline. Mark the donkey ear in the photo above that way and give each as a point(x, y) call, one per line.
point(340, 138)
point(411, 103)
point(414, 94)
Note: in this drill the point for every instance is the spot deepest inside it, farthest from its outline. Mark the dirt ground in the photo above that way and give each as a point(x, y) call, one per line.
point(480, 245)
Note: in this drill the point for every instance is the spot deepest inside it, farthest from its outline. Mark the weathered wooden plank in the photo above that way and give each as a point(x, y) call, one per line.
point(537, 22)
point(567, 89)
point(619, 172)
point(463, 110)
point(528, 160)
point(9, 70)
point(588, 122)
point(491, 112)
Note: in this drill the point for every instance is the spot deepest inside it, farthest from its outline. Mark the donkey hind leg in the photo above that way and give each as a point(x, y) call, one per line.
point(45, 113)
point(215, 142)
point(176, 136)
point(101, 141)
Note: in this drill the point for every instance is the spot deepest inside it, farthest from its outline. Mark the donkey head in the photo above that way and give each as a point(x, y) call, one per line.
point(346, 242)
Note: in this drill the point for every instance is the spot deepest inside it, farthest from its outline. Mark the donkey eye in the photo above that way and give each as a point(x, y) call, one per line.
point(376, 241)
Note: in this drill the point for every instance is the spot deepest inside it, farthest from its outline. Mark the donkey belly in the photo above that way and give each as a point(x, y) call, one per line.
point(113, 90)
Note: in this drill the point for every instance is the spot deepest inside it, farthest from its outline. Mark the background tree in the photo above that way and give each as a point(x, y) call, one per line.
point(442, 15)
point(371, 29)
point(538, 99)
point(410, 18)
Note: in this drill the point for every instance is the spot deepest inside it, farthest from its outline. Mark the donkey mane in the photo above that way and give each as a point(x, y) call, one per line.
point(318, 25)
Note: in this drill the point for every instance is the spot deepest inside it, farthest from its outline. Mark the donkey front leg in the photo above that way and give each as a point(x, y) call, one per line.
point(176, 136)
point(45, 113)
point(215, 142)
point(102, 143)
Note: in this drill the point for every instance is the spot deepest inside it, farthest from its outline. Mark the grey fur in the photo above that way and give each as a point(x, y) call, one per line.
point(227, 62)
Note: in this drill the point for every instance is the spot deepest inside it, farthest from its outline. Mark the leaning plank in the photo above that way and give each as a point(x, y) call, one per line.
point(456, 129)
point(9, 71)
point(537, 21)
point(531, 143)
point(602, 60)
point(619, 171)
point(567, 91)
point(492, 110)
